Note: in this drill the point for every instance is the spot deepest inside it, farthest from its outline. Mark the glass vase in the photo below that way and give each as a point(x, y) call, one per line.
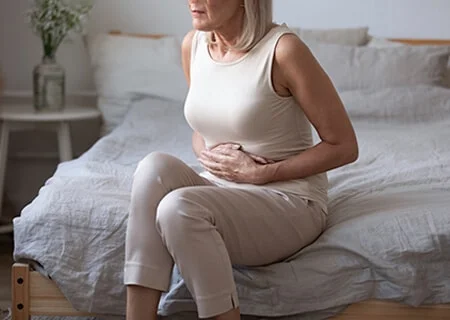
point(48, 85)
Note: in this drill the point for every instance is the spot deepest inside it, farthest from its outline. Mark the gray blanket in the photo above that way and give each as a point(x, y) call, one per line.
point(388, 234)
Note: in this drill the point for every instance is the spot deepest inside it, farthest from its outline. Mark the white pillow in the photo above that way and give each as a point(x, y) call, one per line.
point(383, 43)
point(352, 68)
point(343, 36)
point(127, 68)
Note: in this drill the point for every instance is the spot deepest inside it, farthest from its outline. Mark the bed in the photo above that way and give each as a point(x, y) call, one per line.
point(384, 255)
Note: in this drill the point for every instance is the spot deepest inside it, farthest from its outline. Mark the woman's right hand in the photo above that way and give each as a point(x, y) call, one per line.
point(235, 146)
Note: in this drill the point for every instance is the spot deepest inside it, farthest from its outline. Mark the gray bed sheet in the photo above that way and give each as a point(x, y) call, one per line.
point(388, 232)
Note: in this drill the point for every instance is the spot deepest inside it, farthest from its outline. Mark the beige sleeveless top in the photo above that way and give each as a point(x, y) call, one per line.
point(236, 102)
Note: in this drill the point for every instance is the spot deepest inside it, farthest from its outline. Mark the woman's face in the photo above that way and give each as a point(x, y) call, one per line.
point(210, 15)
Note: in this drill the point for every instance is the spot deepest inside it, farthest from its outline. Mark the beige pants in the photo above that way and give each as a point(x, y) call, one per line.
point(178, 216)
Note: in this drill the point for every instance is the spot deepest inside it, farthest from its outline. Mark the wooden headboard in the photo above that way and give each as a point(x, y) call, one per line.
point(422, 42)
point(138, 35)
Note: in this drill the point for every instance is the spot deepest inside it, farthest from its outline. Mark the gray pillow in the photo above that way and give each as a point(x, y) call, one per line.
point(344, 36)
point(381, 43)
point(402, 104)
point(352, 68)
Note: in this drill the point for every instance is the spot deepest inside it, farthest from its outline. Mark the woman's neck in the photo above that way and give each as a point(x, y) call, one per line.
point(226, 37)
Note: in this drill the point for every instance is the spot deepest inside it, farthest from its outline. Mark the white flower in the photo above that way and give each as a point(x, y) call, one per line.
point(53, 20)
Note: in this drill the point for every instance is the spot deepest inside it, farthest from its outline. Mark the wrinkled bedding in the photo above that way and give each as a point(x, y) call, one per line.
point(388, 232)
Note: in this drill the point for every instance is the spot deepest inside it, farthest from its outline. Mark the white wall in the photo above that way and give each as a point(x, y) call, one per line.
point(390, 18)
point(20, 50)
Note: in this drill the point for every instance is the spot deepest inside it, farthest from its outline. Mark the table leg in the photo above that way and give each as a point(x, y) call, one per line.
point(4, 139)
point(64, 142)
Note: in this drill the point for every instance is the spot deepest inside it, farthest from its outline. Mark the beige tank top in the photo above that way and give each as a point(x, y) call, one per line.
point(236, 102)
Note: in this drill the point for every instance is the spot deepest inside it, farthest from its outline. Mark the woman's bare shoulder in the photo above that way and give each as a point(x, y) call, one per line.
point(290, 48)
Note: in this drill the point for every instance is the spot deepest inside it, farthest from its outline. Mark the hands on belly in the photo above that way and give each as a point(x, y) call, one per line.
point(230, 162)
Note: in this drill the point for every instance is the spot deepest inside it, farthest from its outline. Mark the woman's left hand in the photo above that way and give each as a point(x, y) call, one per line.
point(233, 165)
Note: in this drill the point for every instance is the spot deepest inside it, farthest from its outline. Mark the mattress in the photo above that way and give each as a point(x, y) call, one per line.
point(387, 236)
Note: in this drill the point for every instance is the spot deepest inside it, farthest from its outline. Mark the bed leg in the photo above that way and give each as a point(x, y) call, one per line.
point(20, 291)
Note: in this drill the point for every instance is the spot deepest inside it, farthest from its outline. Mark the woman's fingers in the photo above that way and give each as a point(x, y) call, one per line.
point(224, 146)
point(209, 164)
point(217, 156)
point(225, 152)
point(258, 159)
point(215, 168)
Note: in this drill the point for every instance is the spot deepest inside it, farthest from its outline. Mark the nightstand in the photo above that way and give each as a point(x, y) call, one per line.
point(19, 117)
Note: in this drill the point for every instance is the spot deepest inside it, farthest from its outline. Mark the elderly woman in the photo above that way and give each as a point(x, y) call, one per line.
point(255, 88)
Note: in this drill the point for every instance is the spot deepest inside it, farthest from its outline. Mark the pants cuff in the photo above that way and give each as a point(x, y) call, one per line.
point(148, 277)
point(217, 305)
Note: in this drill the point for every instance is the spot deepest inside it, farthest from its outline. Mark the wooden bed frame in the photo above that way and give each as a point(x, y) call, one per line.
point(36, 295)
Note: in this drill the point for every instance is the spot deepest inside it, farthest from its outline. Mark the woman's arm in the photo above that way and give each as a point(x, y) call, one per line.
point(296, 71)
point(198, 143)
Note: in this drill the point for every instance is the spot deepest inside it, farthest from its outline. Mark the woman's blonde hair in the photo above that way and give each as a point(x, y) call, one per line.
point(258, 19)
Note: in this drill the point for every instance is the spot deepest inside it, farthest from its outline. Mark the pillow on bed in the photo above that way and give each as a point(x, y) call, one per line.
point(385, 43)
point(127, 68)
point(403, 104)
point(352, 68)
point(343, 36)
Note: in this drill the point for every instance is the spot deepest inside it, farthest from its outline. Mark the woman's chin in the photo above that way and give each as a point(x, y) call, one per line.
point(201, 26)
